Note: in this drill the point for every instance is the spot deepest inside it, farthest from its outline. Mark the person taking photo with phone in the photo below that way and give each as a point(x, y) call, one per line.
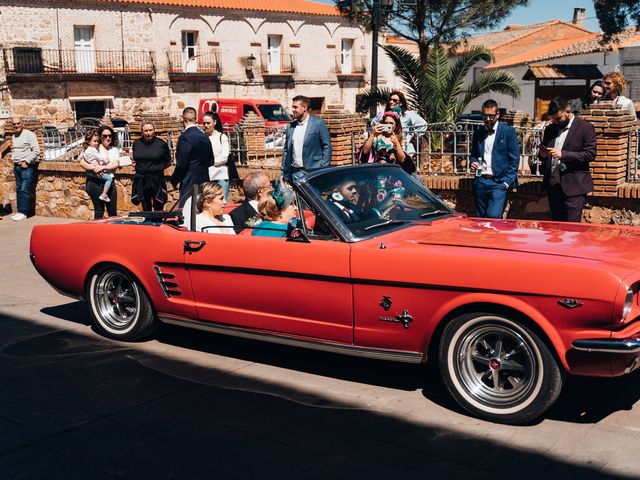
point(386, 144)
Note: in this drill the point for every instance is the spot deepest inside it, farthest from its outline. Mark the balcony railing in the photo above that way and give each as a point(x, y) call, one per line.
point(22, 62)
point(351, 65)
point(282, 64)
point(205, 63)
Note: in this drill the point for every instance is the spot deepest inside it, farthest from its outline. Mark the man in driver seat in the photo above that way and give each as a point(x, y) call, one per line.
point(343, 200)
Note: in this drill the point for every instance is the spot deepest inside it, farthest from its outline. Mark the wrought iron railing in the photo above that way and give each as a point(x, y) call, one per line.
point(351, 65)
point(37, 61)
point(204, 63)
point(62, 144)
point(445, 148)
point(277, 64)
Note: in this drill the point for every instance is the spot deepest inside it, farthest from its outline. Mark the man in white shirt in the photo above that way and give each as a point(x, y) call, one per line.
point(307, 143)
point(495, 156)
point(25, 153)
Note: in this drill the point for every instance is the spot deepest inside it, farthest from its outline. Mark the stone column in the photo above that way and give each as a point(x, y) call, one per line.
point(342, 126)
point(612, 127)
point(253, 140)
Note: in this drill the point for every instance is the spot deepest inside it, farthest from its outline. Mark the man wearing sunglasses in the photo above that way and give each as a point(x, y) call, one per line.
point(25, 153)
point(495, 156)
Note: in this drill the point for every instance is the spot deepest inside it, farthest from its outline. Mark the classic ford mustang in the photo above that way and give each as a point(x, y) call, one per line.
point(376, 266)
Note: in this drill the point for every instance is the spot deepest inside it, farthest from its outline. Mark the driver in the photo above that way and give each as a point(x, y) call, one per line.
point(343, 200)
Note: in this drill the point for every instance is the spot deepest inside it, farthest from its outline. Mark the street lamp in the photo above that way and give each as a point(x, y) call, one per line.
point(386, 5)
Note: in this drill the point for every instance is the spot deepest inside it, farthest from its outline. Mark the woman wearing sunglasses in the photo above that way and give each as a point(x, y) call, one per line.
point(95, 183)
point(413, 124)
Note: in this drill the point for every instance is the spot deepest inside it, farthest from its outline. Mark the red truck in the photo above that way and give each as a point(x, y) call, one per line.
point(231, 110)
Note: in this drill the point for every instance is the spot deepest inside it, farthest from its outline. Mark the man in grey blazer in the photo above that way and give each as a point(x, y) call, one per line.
point(307, 143)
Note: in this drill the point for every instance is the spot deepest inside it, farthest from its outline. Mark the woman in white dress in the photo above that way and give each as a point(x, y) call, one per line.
point(218, 172)
point(210, 208)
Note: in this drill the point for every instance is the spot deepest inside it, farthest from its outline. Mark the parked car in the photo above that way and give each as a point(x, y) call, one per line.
point(232, 110)
point(506, 308)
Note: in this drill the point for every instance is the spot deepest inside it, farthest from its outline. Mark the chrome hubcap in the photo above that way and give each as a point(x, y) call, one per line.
point(496, 365)
point(117, 300)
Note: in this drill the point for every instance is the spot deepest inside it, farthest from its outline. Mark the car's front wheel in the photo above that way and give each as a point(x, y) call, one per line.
point(120, 307)
point(498, 369)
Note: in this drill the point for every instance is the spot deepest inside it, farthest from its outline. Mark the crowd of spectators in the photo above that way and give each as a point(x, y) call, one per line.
point(203, 156)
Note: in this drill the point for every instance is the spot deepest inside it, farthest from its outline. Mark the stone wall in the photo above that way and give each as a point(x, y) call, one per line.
point(233, 34)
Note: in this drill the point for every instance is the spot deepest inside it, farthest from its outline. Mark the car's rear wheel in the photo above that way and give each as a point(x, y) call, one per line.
point(498, 369)
point(120, 307)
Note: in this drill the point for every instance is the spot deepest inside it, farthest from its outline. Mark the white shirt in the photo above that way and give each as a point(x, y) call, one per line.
point(203, 220)
point(488, 151)
point(220, 147)
point(559, 143)
point(563, 135)
point(254, 204)
point(298, 142)
point(624, 102)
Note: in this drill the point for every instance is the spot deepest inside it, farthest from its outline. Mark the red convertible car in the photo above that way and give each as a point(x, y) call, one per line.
point(376, 266)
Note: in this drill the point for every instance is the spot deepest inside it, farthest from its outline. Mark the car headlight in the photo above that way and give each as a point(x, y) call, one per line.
point(628, 303)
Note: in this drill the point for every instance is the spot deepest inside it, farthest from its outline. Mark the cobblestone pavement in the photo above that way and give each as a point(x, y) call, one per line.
point(190, 405)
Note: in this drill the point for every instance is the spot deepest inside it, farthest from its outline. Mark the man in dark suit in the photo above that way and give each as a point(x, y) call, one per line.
point(568, 145)
point(495, 156)
point(307, 143)
point(246, 214)
point(194, 154)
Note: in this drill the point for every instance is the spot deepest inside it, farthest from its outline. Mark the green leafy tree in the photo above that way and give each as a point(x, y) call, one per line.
point(616, 15)
point(437, 91)
point(433, 21)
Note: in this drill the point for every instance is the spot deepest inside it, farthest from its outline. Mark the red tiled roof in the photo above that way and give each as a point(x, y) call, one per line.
point(553, 49)
point(566, 47)
point(280, 6)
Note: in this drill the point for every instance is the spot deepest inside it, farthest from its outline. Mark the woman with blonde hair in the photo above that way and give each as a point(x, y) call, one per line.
point(614, 85)
point(276, 208)
point(210, 208)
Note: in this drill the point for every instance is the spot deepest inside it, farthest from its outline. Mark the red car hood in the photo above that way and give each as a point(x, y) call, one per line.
point(617, 244)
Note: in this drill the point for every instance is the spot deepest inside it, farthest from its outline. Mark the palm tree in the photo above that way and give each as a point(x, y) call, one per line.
point(437, 92)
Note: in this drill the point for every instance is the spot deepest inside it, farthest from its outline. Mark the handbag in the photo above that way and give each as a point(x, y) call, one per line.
point(232, 169)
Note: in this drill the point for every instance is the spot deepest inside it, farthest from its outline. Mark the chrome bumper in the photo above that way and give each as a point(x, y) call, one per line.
point(626, 345)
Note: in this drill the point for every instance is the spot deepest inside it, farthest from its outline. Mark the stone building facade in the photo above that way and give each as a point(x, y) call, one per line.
point(62, 60)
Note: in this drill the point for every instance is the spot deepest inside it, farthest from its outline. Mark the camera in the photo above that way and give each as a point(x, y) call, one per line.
point(386, 128)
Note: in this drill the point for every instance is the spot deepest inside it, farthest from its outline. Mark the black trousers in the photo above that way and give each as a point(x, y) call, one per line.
point(565, 208)
point(94, 189)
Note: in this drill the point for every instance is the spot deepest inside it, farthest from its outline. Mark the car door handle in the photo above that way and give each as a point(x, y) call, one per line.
point(193, 246)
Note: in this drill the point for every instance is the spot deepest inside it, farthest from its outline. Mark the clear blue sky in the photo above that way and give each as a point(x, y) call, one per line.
point(543, 10)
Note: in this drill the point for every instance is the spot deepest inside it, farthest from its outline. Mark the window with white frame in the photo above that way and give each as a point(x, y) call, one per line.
point(190, 51)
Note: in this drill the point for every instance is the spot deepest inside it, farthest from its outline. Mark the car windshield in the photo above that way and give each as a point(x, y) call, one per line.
point(274, 113)
point(371, 200)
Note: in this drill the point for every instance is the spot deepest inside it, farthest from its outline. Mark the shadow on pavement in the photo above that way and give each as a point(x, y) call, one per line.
point(75, 406)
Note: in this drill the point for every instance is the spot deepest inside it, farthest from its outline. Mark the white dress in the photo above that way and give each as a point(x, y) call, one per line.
point(203, 220)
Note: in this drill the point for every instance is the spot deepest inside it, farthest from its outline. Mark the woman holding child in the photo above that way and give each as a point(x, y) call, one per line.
point(100, 160)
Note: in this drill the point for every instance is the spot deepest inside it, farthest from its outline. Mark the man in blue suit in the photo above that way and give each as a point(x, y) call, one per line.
point(307, 143)
point(194, 154)
point(495, 156)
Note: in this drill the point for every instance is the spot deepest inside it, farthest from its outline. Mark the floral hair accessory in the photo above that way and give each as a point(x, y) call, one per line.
point(282, 195)
point(391, 113)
